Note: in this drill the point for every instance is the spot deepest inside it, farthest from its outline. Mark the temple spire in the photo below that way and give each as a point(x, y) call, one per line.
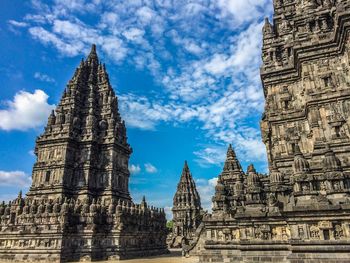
point(230, 152)
point(187, 208)
point(232, 163)
point(187, 184)
point(87, 115)
point(93, 55)
point(186, 174)
point(267, 29)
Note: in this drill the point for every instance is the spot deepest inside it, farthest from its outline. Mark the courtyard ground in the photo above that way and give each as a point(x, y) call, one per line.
point(173, 257)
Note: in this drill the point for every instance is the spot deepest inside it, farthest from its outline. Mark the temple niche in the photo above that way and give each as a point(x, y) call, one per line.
point(300, 211)
point(79, 207)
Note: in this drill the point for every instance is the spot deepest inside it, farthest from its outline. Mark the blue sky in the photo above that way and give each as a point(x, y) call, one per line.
point(186, 74)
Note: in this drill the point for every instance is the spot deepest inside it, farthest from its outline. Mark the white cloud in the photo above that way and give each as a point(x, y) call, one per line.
point(145, 14)
point(114, 48)
point(134, 34)
point(14, 178)
point(27, 110)
point(70, 49)
point(134, 169)
point(73, 30)
point(150, 168)
point(65, 6)
point(243, 11)
point(17, 23)
point(189, 44)
point(141, 113)
point(246, 141)
point(206, 189)
point(43, 77)
point(211, 156)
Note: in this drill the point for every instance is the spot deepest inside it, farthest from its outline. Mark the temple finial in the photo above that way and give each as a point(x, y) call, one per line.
point(267, 20)
point(251, 169)
point(267, 29)
point(93, 48)
point(186, 173)
point(186, 165)
point(93, 54)
point(231, 152)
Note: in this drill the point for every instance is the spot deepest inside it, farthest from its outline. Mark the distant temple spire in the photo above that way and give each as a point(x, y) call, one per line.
point(187, 210)
point(232, 167)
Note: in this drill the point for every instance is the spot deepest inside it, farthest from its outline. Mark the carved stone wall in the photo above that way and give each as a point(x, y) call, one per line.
point(306, 81)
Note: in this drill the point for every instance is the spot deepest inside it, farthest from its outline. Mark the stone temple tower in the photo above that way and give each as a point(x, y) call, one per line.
point(232, 177)
point(187, 210)
point(300, 211)
point(79, 206)
point(83, 152)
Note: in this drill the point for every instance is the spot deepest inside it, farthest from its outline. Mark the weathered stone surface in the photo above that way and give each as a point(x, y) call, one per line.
point(187, 210)
point(300, 212)
point(79, 206)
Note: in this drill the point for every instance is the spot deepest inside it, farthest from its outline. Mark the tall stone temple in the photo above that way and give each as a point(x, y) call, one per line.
point(79, 206)
point(300, 212)
point(187, 210)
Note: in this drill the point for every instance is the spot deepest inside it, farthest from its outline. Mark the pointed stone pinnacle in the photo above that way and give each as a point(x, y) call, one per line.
point(93, 49)
point(251, 169)
point(186, 165)
point(186, 200)
point(232, 163)
point(267, 21)
point(230, 152)
point(93, 54)
point(185, 170)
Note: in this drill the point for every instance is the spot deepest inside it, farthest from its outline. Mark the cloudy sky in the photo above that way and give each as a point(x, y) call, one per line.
point(186, 74)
